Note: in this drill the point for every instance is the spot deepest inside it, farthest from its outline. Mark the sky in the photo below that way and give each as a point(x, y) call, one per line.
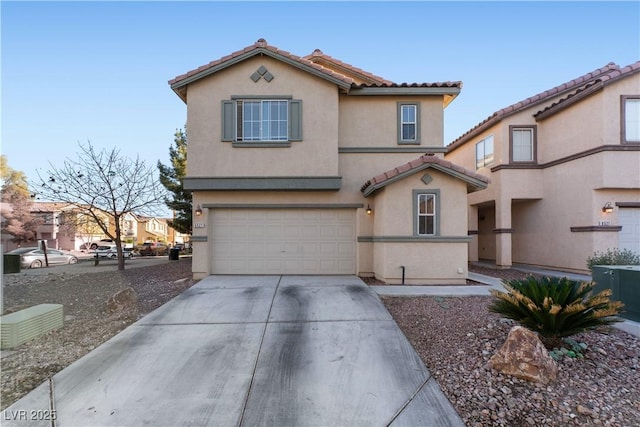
point(78, 72)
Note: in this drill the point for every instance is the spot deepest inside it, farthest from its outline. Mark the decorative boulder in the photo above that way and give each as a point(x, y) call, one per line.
point(524, 356)
point(123, 301)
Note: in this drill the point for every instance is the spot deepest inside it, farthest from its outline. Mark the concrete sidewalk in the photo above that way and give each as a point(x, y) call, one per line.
point(250, 351)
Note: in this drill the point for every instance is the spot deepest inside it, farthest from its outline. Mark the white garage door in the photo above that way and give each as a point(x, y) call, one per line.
point(629, 236)
point(283, 241)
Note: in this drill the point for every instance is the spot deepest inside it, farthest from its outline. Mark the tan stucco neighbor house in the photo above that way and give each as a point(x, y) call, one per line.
point(308, 165)
point(565, 173)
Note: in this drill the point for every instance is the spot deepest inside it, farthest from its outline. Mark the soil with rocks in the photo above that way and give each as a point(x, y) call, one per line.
point(87, 322)
point(456, 337)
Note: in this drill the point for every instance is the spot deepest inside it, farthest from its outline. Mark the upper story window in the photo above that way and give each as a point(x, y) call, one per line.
point(484, 152)
point(266, 120)
point(630, 118)
point(522, 144)
point(408, 123)
point(426, 212)
point(262, 120)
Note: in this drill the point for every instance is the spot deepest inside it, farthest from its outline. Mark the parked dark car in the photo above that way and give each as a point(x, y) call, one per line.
point(151, 248)
point(34, 257)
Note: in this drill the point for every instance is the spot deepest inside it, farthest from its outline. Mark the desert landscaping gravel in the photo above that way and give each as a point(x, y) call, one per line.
point(455, 337)
point(87, 322)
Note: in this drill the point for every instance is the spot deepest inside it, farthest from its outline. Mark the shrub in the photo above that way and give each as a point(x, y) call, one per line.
point(555, 307)
point(613, 257)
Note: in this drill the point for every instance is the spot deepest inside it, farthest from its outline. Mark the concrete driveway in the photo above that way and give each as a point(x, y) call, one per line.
point(250, 351)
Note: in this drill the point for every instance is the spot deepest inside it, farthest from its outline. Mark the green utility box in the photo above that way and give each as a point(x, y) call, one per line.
point(11, 263)
point(624, 282)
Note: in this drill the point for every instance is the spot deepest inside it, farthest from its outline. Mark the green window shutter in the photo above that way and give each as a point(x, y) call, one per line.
point(228, 120)
point(295, 120)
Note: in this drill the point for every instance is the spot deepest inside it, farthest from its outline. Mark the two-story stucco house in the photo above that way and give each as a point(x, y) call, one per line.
point(565, 173)
point(308, 165)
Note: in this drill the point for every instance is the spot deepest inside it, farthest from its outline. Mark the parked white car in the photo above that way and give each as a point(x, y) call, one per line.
point(110, 251)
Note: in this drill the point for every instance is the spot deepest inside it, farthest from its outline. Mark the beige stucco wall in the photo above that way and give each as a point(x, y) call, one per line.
point(315, 155)
point(371, 121)
point(427, 261)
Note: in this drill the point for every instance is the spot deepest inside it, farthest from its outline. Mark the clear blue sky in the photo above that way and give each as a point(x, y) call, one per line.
point(92, 71)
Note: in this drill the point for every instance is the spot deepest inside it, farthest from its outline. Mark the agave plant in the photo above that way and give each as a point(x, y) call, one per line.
point(555, 307)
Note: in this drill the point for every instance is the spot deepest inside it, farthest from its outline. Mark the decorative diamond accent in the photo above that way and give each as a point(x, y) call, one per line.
point(426, 178)
point(262, 70)
point(255, 77)
point(268, 76)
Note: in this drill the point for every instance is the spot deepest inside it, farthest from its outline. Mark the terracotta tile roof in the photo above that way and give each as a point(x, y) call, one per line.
point(588, 89)
point(320, 58)
point(346, 74)
point(260, 46)
point(608, 71)
point(474, 180)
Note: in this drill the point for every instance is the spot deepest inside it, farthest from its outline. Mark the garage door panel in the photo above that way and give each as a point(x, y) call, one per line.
point(629, 236)
point(283, 241)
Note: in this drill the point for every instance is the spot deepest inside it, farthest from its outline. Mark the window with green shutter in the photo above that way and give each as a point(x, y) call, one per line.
point(261, 120)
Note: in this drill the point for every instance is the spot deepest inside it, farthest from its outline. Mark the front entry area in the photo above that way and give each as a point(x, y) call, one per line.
point(283, 241)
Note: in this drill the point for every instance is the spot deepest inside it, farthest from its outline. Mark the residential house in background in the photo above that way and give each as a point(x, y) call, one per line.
point(565, 173)
point(151, 229)
point(309, 165)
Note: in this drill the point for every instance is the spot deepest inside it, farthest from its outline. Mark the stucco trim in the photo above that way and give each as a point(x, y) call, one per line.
point(199, 238)
point(292, 183)
point(503, 230)
point(414, 239)
point(473, 232)
point(410, 149)
point(590, 228)
point(252, 144)
point(592, 151)
point(283, 206)
point(628, 204)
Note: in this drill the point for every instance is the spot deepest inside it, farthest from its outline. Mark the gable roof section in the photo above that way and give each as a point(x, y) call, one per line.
point(474, 180)
point(345, 76)
point(581, 83)
point(260, 47)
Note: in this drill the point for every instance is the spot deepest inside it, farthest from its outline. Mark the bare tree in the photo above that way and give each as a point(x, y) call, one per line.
point(104, 183)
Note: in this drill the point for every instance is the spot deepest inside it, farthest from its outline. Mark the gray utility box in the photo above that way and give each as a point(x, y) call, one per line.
point(624, 282)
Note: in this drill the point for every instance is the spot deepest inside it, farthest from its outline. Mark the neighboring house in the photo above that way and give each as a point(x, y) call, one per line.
point(151, 229)
point(174, 236)
point(312, 166)
point(565, 173)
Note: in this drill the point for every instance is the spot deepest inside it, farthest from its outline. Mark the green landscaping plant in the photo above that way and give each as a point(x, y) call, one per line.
point(555, 307)
point(613, 257)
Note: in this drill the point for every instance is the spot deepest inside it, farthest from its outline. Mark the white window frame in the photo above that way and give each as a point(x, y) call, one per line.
point(517, 146)
point(405, 121)
point(433, 213)
point(260, 128)
point(485, 159)
point(412, 120)
point(630, 119)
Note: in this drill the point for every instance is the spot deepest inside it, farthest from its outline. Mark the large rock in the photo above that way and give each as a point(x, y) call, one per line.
point(524, 356)
point(124, 301)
